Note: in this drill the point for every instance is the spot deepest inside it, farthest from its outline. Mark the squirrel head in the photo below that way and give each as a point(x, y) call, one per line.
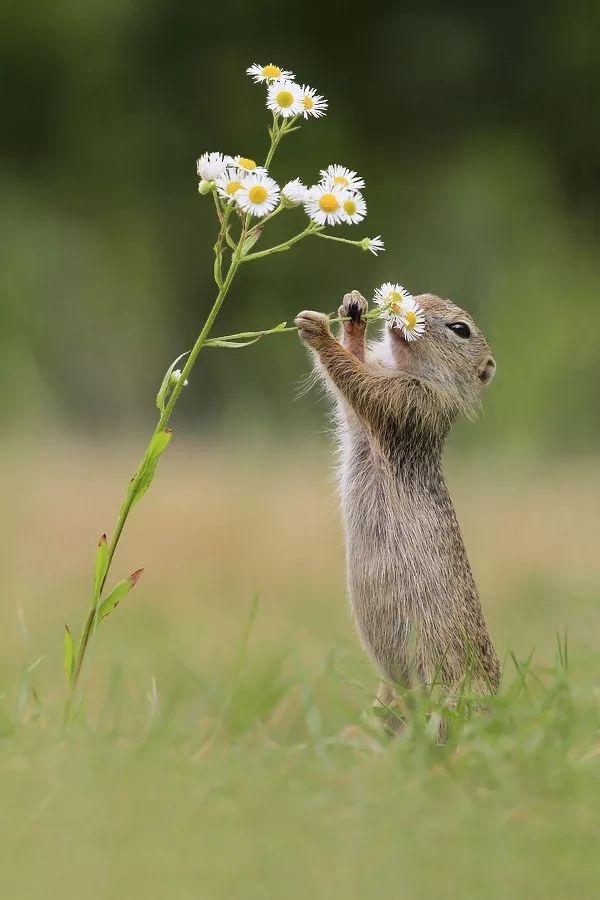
point(452, 355)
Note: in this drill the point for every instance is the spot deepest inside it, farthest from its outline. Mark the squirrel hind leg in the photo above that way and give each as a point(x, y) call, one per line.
point(387, 707)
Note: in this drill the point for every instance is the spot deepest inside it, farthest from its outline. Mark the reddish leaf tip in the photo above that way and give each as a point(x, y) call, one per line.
point(135, 576)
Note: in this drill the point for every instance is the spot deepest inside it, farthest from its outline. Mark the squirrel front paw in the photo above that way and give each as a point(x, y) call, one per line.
point(313, 327)
point(354, 307)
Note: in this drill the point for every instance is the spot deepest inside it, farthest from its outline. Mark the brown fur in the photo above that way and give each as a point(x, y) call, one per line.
point(409, 581)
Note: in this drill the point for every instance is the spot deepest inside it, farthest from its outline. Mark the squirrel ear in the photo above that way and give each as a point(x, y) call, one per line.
point(487, 370)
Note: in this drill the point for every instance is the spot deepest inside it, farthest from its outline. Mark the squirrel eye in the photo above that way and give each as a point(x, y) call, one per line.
point(460, 328)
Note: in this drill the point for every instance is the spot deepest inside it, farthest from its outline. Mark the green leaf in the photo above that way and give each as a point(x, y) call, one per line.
point(117, 594)
point(251, 240)
point(69, 654)
point(217, 270)
point(281, 327)
point(161, 397)
point(158, 445)
point(244, 338)
point(100, 565)
point(233, 345)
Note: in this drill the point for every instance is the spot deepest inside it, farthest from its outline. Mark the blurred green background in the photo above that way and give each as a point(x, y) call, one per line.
point(474, 126)
point(190, 774)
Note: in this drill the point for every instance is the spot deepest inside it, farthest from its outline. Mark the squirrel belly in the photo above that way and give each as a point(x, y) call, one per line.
point(410, 586)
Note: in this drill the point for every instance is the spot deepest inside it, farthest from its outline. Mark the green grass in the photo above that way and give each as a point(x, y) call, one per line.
point(282, 784)
point(226, 754)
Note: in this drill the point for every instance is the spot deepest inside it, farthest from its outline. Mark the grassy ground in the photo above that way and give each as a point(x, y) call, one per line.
point(209, 766)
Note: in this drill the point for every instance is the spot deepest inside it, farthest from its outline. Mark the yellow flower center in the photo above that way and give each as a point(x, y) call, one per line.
point(257, 194)
point(329, 203)
point(246, 163)
point(339, 179)
point(410, 320)
point(284, 99)
point(232, 187)
point(350, 207)
point(394, 300)
point(307, 102)
point(271, 71)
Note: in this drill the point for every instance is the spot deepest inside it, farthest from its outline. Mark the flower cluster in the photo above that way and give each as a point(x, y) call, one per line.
point(400, 309)
point(239, 179)
point(336, 199)
point(285, 98)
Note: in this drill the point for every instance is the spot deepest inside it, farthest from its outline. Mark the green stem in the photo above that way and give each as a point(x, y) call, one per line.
point(249, 335)
point(90, 622)
point(224, 233)
point(272, 215)
point(332, 237)
point(218, 208)
point(223, 214)
point(278, 133)
point(279, 248)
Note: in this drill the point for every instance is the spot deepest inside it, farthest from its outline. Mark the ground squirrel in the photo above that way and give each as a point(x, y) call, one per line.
point(409, 581)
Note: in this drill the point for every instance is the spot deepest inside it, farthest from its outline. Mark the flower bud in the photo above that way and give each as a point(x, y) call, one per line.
point(374, 245)
point(176, 376)
point(293, 193)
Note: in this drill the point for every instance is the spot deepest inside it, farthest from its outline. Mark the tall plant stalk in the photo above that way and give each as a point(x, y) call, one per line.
point(229, 254)
point(149, 458)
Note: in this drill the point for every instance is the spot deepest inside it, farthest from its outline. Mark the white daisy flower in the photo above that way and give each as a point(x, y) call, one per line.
point(284, 98)
point(393, 300)
point(312, 103)
point(211, 166)
point(325, 205)
point(230, 183)
point(355, 208)
point(295, 192)
point(342, 177)
point(258, 196)
point(374, 245)
point(176, 376)
point(268, 73)
point(248, 165)
point(413, 320)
